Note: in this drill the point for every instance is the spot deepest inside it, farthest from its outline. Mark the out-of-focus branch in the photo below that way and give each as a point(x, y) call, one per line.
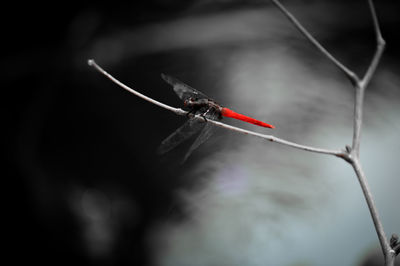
point(349, 74)
point(179, 111)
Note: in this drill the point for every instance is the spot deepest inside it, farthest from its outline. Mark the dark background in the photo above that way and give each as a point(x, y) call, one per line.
point(85, 184)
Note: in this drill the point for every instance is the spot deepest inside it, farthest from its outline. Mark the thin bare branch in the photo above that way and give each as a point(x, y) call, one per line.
point(272, 138)
point(377, 29)
point(374, 63)
point(380, 47)
point(358, 118)
point(372, 208)
point(349, 74)
point(179, 111)
point(361, 85)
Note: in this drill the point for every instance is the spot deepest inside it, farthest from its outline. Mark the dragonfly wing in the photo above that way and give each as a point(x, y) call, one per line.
point(203, 137)
point(187, 130)
point(182, 90)
point(205, 134)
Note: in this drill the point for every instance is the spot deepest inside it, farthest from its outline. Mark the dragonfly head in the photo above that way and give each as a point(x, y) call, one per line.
point(189, 102)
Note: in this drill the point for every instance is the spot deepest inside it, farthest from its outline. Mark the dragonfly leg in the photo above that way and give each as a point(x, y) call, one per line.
point(190, 113)
point(204, 114)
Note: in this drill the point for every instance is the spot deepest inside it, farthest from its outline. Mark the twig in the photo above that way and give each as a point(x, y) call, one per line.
point(357, 119)
point(349, 74)
point(380, 42)
point(179, 111)
point(92, 63)
point(361, 85)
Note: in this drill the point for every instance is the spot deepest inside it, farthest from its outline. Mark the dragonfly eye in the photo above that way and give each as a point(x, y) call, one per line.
point(188, 102)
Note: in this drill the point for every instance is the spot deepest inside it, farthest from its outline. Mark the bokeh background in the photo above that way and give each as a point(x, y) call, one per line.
point(85, 185)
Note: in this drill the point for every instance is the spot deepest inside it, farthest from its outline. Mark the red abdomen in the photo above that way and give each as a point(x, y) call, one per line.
point(229, 113)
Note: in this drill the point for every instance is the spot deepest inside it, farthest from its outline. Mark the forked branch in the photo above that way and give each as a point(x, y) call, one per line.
point(352, 155)
point(361, 85)
point(380, 47)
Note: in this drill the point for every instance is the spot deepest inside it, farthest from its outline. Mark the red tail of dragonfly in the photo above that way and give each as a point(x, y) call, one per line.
point(198, 103)
point(229, 113)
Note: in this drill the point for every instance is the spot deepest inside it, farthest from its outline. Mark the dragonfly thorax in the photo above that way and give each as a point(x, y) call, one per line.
point(197, 104)
point(193, 102)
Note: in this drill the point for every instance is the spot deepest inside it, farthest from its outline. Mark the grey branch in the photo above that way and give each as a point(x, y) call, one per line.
point(361, 85)
point(379, 49)
point(179, 111)
point(92, 63)
point(349, 74)
point(386, 249)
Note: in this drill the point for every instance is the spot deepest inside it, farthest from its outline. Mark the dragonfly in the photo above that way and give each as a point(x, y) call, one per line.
point(198, 103)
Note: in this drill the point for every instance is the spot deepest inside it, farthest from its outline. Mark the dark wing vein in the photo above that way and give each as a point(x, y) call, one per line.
point(183, 90)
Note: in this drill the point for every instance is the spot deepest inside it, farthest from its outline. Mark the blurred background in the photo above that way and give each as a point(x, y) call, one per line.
point(86, 186)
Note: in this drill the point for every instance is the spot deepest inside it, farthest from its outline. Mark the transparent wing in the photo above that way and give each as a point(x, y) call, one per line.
point(203, 137)
point(182, 90)
point(205, 134)
point(181, 134)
